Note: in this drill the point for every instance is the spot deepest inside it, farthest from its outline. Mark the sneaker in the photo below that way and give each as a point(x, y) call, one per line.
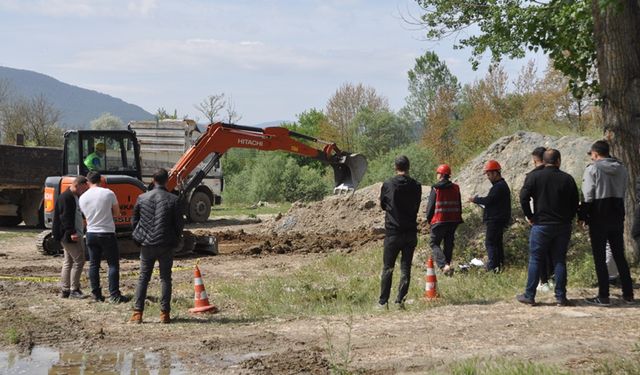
point(136, 318)
point(628, 300)
point(98, 297)
point(523, 299)
point(545, 288)
point(400, 306)
point(447, 270)
point(381, 307)
point(164, 317)
point(120, 298)
point(563, 302)
point(77, 294)
point(598, 301)
point(64, 294)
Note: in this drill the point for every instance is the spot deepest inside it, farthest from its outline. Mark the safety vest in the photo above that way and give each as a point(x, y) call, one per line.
point(92, 161)
point(448, 206)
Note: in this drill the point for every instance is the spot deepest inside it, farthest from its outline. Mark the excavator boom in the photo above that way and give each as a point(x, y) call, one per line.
point(219, 137)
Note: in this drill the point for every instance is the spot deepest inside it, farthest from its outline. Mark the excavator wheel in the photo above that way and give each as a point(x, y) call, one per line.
point(199, 207)
point(46, 245)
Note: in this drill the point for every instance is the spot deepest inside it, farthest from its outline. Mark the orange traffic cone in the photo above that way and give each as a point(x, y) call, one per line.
point(430, 292)
point(201, 300)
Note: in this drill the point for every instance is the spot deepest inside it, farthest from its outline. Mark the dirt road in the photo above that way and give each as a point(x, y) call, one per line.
point(416, 341)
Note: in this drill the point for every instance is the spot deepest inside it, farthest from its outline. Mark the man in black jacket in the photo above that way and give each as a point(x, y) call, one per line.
point(400, 199)
point(555, 204)
point(68, 228)
point(157, 226)
point(497, 214)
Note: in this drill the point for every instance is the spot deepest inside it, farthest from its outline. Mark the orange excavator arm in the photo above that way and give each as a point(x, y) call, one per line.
point(220, 137)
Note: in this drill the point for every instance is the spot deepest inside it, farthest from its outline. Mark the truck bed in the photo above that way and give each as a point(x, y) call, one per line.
point(24, 167)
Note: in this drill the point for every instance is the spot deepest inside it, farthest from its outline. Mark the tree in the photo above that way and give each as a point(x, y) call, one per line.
point(36, 119)
point(427, 77)
point(107, 121)
point(379, 132)
point(232, 116)
point(579, 36)
point(161, 114)
point(211, 106)
point(345, 104)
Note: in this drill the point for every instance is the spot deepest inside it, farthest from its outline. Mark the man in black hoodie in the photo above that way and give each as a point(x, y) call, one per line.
point(604, 186)
point(497, 214)
point(444, 213)
point(400, 199)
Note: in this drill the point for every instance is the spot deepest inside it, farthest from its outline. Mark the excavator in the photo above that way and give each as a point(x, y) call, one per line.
point(121, 171)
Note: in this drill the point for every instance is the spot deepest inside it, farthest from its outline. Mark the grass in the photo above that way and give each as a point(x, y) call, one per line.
point(17, 234)
point(12, 336)
point(244, 210)
point(492, 366)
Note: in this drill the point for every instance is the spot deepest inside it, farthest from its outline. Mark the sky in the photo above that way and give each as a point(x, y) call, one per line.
point(274, 58)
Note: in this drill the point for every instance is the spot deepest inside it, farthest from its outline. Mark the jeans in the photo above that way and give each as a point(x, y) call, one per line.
point(104, 245)
point(439, 233)
point(72, 265)
point(494, 245)
point(148, 257)
point(599, 235)
point(394, 245)
point(548, 239)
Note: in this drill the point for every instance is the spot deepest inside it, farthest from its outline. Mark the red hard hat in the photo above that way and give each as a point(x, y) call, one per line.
point(444, 169)
point(492, 165)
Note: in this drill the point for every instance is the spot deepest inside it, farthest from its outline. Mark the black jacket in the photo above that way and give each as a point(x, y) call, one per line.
point(635, 230)
point(497, 203)
point(157, 219)
point(555, 196)
point(64, 217)
point(400, 198)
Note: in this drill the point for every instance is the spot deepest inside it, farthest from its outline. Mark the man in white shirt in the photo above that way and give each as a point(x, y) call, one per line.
point(99, 206)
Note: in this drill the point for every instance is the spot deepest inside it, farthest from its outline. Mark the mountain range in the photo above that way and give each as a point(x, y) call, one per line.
point(78, 106)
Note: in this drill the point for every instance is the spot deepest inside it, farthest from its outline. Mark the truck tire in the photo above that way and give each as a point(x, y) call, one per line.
point(199, 207)
point(46, 245)
point(10, 221)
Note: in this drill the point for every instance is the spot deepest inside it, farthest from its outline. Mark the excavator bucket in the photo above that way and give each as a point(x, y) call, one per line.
point(348, 171)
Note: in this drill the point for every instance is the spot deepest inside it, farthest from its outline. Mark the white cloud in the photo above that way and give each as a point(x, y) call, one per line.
point(80, 8)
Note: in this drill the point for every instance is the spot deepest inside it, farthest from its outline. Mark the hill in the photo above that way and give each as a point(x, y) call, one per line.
point(78, 106)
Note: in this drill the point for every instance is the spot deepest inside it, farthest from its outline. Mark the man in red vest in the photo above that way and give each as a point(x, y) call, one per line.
point(444, 213)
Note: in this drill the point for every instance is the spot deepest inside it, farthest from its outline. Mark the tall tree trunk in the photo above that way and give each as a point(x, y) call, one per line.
point(617, 37)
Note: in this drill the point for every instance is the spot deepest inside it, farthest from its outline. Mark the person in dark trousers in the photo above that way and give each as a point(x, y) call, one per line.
point(400, 199)
point(100, 206)
point(604, 186)
point(157, 226)
point(555, 204)
point(497, 214)
point(444, 214)
point(68, 228)
point(546, 264)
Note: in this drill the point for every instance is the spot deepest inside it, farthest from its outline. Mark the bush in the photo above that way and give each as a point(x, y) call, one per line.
point(423, 165)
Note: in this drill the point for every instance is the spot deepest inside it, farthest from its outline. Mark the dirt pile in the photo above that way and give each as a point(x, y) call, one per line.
point(513, 152)
point(240, 242)
point(359, 211)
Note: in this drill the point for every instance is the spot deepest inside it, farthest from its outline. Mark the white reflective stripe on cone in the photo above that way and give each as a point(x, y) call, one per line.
point(197, 281)
point(430, 286)
point(203, 294)
point(431, 272)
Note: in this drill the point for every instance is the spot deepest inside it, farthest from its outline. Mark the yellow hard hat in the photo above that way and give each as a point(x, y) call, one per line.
point(101, 147)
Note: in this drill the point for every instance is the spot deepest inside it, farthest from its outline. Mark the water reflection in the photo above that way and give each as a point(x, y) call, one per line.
point(49, 361)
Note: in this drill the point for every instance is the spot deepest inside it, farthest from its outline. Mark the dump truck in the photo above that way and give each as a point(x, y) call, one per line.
point(162, 143)
point(23, 171)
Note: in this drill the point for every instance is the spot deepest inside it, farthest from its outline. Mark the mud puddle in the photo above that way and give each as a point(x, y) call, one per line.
point(44, 360)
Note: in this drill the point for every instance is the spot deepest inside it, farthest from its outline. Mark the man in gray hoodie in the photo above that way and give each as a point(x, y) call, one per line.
point(604, 185)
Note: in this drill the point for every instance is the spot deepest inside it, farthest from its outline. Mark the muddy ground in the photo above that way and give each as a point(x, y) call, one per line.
point(419, 340)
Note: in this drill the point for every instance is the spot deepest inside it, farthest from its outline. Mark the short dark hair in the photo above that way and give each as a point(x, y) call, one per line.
point(601, 147)
point(538, 152)
point(80, 180)
point(94, 177)
point(160, 177)
point(551, 156)
point(402, 163)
